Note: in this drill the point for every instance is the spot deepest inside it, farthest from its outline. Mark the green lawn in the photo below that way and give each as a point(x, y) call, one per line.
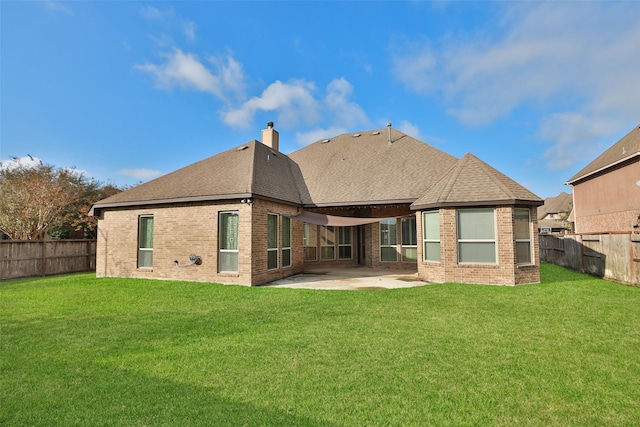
point(76, 350)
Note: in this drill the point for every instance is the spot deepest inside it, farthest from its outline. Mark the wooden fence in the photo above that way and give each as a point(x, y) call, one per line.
point(27, 258)
point(614, 256)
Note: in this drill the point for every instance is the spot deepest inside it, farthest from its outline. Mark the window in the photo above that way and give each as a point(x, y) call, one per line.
point(145, 241)
point(286, 241)
point(344, 243)
point(523, 236)
point(431, 235)
point(228, 242)
point(272, 241)
point(310, 242)
point(477, 235)
point(409, 240)
point(327, 242)
point(388, 240)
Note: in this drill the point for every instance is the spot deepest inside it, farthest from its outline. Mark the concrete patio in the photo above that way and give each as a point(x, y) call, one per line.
point(352, 278)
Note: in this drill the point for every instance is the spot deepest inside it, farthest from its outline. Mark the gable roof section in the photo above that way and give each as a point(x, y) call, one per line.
point(625, 149)
point(553, 205)
point(364, 169)
point(249, 170)
point(472, 182)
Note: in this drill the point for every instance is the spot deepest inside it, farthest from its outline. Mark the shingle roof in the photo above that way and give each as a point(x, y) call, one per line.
point(350, 169)
point(244, 171)
point(552, 205)
point(473, 182)
point(363, 168)
point(626, 148)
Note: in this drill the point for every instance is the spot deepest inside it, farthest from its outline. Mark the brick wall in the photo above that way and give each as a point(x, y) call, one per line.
point(608, 222)
point(184, 229)
point(259, 214)
point(506, 271)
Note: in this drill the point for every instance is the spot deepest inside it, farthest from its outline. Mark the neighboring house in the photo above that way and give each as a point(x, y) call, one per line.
point(553, 215)
point(606, 193)
point(377, 199)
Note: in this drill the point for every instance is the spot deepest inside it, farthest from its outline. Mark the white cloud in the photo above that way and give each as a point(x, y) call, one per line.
point(410, 129)
point(17, 162)
point(141, 174)
point(168, 18)
point(185, 70)
point(153, 13)
point(293, 102)
point(584, 56)
point(189, 29)
point(345, 112)
point(569, 131)
point(306, 138)
point(57, 7)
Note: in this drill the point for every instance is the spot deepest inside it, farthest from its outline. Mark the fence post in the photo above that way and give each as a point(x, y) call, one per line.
point(44, 258)
point(88, 254)
point(632, 260)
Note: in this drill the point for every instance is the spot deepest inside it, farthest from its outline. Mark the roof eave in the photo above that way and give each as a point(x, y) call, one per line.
point(511, 202)
point(99, 206)
point(360, 203)
point(586, 175)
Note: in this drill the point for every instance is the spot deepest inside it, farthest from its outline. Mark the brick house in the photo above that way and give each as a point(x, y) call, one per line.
point(606, 192)
point(377, 199)
point(553, 214)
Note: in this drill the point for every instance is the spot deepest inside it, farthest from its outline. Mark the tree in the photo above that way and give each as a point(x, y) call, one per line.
point(93, 191)
point(38, 198)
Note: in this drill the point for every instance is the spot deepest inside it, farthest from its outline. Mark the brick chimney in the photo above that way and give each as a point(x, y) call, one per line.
point(271, 137)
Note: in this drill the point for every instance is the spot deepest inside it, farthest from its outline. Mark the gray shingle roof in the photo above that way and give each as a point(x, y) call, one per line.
point(553, 205)
point(626, 148)
point(244, 171)
point(350, 169)
point(473, 182)
point(363, 168)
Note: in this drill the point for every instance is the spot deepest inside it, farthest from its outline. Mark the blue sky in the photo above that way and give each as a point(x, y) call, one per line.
point(128, 91)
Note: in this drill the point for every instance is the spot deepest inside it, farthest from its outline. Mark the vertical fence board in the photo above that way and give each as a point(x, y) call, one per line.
point(27, 258)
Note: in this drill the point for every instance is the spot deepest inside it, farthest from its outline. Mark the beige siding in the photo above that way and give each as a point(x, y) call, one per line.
point(609, 202)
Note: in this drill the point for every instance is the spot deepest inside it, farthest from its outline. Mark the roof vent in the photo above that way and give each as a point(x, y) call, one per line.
point(355, 135)
point(324, 141)
point(375, 133)
point(244, 147)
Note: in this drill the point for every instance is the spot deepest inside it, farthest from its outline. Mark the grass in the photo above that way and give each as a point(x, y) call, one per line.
point(76, 350)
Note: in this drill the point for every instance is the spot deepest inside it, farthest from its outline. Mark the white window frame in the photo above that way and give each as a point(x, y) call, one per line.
point(463, 241)
point(427, 255)
point(228, 251)
point(273, 249)
point(528, 240)
point(146, 250)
